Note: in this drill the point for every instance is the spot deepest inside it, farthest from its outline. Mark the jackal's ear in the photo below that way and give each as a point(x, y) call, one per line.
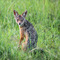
point(15, 13)
point(24, 14)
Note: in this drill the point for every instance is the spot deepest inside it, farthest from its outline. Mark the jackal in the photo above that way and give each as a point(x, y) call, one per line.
point(26, 30)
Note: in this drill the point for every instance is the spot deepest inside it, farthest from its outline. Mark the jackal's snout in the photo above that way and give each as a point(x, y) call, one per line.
point(19, 23)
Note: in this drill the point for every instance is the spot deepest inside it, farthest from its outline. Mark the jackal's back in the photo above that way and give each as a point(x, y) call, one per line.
point(32, 41)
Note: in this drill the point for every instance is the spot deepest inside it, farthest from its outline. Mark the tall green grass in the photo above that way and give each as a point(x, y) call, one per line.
point(45, 17)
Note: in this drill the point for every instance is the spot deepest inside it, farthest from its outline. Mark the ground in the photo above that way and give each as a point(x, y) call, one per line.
point(45, 17)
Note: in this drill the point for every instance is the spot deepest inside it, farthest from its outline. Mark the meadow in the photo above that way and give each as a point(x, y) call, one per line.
point(45, 17)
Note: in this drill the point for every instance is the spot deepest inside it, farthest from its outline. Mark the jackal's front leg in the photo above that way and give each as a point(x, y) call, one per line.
point(25, 44)
point(21, 37)
point(26, 37)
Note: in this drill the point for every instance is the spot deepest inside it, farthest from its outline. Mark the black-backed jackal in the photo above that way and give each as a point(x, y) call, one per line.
point(26, 30)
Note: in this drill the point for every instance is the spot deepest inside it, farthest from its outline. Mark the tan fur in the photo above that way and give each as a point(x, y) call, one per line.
point(23, 35)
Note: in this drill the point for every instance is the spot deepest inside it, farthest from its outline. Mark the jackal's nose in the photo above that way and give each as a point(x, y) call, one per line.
point(19, 23)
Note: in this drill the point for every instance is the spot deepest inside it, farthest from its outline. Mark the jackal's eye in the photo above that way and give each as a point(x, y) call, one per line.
point(17, 19)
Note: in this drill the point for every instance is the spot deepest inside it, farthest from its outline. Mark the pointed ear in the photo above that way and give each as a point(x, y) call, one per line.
point(15, 13)
point(24, 14)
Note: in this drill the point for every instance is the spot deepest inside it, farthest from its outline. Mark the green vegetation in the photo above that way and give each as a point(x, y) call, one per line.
point(44, 15)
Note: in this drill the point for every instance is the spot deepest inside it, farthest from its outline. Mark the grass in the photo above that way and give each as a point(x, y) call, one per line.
point(45, 17)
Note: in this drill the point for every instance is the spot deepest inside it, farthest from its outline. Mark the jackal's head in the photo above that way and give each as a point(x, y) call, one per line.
point(20, 18)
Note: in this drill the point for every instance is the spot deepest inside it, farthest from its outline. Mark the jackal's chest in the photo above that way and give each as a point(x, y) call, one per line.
point(23, 31)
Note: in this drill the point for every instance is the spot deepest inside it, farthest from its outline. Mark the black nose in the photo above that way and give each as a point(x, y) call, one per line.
point(19, 23)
